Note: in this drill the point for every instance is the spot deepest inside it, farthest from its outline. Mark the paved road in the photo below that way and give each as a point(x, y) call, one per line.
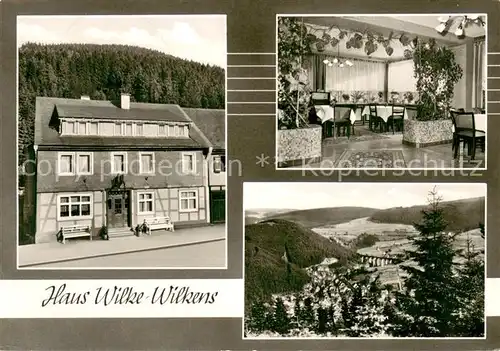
point(212, 254)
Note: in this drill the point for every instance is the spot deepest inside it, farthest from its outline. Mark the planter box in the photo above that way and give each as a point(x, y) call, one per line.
point(427, 133)
point(297, 147)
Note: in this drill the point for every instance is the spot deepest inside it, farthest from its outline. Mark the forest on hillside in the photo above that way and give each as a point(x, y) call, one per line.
point(105, 71)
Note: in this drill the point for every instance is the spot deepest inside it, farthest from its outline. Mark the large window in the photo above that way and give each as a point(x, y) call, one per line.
point(188, 200)
point(145, 202)
point(188, 162)
point(362, 76)
point(74, 206)
point(147, 162)
point(71, 163)
point(119, 163)
point(400, 77)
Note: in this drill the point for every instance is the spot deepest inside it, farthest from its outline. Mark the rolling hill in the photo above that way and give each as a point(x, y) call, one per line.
point(461, 215)
point(267, 242)
point(318, 217)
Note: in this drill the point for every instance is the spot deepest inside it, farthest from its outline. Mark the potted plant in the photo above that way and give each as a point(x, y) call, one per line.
point(346, 97)
point(437, 72)
point(357, 96)
point(380, 96)
point(141, 228)
point(394, 97)
point(103, 233)
point(408, 97)
point(297, 140)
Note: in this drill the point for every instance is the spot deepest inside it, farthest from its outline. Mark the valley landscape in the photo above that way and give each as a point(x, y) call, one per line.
point(314, 259)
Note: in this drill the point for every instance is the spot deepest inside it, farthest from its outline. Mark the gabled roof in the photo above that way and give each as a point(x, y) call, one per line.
point(110, 110)
point(212, 123)
point(47, 135)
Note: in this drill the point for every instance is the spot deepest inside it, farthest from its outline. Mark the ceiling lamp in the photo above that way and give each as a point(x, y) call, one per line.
point(446, 22)
point(340, 62)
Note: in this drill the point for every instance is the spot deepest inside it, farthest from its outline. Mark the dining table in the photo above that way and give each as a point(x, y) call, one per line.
point(383, 112)
point(327, 113)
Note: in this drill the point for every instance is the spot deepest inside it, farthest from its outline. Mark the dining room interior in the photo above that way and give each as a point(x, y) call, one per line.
point(402, 91)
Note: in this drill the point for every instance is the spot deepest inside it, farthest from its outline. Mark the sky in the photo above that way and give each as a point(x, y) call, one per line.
point(200, 38)
point(375, 195)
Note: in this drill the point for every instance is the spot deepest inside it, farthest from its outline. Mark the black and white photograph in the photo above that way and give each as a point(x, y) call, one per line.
point(364, 260)
point(381, 91)
point(121, 141)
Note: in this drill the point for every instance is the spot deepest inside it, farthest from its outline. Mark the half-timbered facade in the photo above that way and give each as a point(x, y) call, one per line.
point(114, 164)
point(212, 124)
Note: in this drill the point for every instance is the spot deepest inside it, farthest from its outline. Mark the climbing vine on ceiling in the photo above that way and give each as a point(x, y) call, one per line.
point(369, 41)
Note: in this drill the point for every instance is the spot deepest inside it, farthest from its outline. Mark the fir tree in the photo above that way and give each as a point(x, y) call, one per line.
point(281, 321)
point(426, 307)
point(470, 287)
point(259, 318)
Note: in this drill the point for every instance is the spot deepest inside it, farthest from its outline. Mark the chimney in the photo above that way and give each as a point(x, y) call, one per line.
point(85, 97)
point(125, 101)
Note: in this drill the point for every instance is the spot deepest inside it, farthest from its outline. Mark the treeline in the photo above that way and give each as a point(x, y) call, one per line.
point(460, 215)
point(105, 71)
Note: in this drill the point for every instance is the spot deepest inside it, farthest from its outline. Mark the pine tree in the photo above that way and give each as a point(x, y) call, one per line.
point(281, 321)
point(426, 307)
point(470, 287)
point(258, 320)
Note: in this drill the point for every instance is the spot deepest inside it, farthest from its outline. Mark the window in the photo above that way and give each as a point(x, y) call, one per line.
point(70, 163)
point(171, 130)
point(186, 131)
point(82, 128)
point(147, 164)
point(188, 163)
point(161, 129)
point(188, 200)
point(74, 206)
point(145, 203)
point(70, 128)
point(219, 164)
point(128, 129)
point(176, 130)
point(139, 129)
point(85, 163)
point(119, 163)
point(66, 164)
point(118, 129)
point(93, 128)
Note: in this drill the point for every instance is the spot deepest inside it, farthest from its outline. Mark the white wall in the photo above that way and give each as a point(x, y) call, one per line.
point(460, 92)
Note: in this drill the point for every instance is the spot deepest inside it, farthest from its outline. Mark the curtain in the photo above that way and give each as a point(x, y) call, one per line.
point(401, 76)
point(362, 76)
point(479, 74)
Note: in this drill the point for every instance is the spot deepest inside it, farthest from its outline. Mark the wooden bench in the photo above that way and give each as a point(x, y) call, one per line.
point(75, 231)
point(159, 223)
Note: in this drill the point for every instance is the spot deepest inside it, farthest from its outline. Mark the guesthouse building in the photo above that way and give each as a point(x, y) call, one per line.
point(113, 164)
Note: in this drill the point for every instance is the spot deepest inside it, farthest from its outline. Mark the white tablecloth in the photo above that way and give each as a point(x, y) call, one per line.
point(480, 121)
point(326, 113)
point(383, 112)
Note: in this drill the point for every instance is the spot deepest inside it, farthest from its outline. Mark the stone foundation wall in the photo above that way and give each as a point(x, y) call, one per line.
point(426, 133)
point(299, 145)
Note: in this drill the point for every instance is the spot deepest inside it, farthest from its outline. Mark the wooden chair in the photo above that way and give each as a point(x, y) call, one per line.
point(465, 130)
point(343, 120)
point(396, 118)
point(373, 117)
